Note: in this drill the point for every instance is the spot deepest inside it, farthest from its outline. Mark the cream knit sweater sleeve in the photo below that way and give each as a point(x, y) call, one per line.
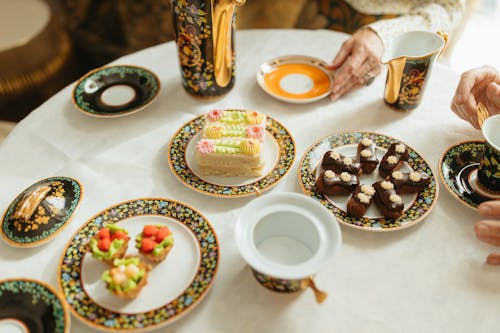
point(441, 15)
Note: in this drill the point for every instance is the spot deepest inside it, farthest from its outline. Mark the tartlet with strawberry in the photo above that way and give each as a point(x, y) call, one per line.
point(154, 242)
point(109, 243)
point(127, 277)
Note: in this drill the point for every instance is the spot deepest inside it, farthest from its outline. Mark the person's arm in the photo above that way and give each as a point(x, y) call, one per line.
point(358, 60)
point(477, 85)
point(443, 15)
point(488, 230)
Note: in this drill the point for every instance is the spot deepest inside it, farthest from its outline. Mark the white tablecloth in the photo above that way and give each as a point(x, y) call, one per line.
point(428, 278)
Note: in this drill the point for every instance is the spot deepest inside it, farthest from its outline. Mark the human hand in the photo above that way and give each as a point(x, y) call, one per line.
point(357, 62)
point(477, 85)
point(488, 231)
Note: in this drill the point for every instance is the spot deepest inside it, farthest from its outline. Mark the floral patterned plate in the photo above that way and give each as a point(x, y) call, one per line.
point(41, 211)
point(174, 286)
point(456, 166)
point(115, 91)
point(32, 306)
point(279, 155)
point(417, 206)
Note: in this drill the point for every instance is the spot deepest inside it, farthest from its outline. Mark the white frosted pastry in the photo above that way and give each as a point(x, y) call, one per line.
point(230, 157)
point(232, 143)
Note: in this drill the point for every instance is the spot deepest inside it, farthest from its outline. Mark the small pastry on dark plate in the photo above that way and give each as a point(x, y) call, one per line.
point(409, 182)
point(366, 155)
point(387, 200)
point(393, 160)
point(331, 183)
point(360, 201)
point(339, 163)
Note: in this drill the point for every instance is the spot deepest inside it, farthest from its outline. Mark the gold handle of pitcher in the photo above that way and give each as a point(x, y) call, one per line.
point(222, 21)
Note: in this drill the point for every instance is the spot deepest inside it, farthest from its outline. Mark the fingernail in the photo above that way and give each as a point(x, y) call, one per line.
point(482, 229)
point(335, 89)
point(485, 209)
point(459, 98)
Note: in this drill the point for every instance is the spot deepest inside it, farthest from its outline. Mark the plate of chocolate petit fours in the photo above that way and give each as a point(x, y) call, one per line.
point(139, 265)
point(369, 181)
point(231, 153)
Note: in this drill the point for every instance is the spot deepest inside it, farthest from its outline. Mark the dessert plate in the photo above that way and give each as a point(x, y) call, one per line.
point(174, 286)
point(32, 306)
point(38, 213)
point(457, 168)
point(279, 156)
point(417, 206)
point(295, 78)
point(115, 91)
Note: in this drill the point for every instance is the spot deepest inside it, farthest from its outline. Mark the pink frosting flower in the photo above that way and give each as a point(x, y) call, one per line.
point(205, 146)
point(255, 132)
point(215, 115)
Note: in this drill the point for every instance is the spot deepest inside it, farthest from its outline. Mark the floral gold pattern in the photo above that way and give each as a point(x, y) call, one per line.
point(280, 285)
point(180, 168)
point(89, 89)
point(45, 215)
point(455, 167)
point(421, 206)
point(87, 310)
point(489, 170)
point(206, 54)
point(33, 302)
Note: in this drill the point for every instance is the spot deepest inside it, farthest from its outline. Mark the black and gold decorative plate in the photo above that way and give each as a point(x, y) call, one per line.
point(279, 155)
point(115, 91)
point(416, 206)
point(30, 306)
point(174, 286)
point(456, 167)
point(40, 211)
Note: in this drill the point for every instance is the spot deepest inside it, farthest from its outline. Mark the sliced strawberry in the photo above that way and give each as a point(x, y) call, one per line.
point(148, 245)
point(104, 233)
point(163, 233)
point(150, 230)
point(119, 235)
point(103, 244)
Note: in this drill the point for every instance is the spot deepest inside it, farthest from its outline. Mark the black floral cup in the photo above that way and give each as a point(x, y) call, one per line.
point(488, 173)
point(204, 33)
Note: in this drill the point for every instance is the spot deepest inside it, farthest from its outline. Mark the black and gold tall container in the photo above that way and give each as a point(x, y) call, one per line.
point(204, 33)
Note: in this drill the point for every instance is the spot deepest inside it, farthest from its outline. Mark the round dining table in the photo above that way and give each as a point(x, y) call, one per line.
point(430, 277)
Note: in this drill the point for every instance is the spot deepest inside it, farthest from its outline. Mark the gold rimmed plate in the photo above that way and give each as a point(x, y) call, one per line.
point(279, 154)
point(175, 285)
point(457, 168)
point(295, 78)
point(416, 206)
point(28, 305)
point(41, 211)
point(115, 91)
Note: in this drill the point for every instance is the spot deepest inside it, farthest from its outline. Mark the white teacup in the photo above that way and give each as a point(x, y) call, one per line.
point(286, 238)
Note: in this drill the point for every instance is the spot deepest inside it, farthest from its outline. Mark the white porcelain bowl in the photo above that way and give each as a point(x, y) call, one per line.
point(287, 235)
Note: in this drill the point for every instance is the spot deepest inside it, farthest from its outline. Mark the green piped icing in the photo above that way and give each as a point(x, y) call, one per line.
point(234, 130)
point(228, 146)
point(234, 117)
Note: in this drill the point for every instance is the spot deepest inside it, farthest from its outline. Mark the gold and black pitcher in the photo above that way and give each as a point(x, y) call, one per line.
point(410, 58)
point(204, 33)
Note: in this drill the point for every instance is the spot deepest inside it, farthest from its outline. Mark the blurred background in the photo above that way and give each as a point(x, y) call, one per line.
point(47, 44)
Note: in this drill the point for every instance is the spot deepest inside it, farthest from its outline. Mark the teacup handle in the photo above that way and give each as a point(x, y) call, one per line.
point(318, 294)
point(443, 35)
